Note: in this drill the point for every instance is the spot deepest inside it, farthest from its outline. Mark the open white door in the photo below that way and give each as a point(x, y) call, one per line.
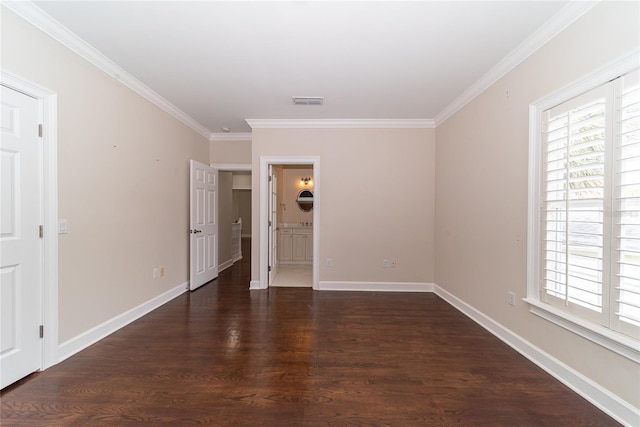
point(20, 239)
point(273, 225)
point(204, 225)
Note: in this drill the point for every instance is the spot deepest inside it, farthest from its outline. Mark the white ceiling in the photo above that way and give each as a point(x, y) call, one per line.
point(224, 62)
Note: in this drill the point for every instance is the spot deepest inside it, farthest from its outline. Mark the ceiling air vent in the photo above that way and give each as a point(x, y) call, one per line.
point(308, 100)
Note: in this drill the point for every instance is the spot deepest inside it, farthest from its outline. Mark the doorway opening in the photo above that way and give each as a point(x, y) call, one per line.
point(234, 215)
point(291, 237)
point(289, 221)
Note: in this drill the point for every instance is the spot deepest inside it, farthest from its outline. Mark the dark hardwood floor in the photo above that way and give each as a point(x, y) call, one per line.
point(227, 356)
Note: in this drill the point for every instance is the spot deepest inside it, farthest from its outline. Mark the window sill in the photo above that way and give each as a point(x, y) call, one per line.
point(621, 344)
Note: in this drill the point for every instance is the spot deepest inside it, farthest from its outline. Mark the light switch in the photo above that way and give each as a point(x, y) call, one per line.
point(63, 226)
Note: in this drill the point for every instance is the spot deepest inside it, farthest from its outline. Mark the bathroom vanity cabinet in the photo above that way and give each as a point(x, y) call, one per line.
point(296, 245)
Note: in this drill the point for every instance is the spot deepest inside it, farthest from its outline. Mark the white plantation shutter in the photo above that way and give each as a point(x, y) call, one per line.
point(590, 206)
point(627, 204)
point(573, 203)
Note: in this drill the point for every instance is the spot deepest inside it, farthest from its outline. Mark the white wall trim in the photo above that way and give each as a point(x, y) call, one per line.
point(376, 286)
point(597, 395)
point(341, 124)
point(614, 341)
point(554, 26)
point(254, 284)
point(223, 137)
point(232, 167)
point(36, 17)
point(603, 74)
point(48, 110)
point(93, 335)
point(224, 265)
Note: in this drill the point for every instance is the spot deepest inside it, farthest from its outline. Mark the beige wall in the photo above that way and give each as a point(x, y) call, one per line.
point(242, 209)
point(368, 210)
point(481, 192)
point(230, 152)
point(123, 167)
point(242, 199)
point(225, 217)
point(241, 180)
point(290, 188)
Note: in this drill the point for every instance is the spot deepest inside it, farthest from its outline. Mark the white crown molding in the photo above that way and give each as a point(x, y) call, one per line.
point(222, 137)
point(556, 24)
point(39, 19)
point(341, 124)
point(232, 167)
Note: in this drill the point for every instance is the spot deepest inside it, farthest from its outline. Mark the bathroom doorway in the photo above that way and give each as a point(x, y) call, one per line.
point(291, 237)
point(289, 244)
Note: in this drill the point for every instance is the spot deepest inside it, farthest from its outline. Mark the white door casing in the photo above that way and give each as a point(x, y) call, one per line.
point(21, 246)
point(48, 115)
point(203, 224)
point(273, 225)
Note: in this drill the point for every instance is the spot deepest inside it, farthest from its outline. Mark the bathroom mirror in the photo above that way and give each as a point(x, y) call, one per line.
point(305, 200)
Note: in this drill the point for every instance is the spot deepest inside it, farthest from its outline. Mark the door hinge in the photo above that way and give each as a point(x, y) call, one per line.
point(269, 268)
point(269, 178)
point(269, 223)
point(41, 331)
point(41, 231)
point(40, 130)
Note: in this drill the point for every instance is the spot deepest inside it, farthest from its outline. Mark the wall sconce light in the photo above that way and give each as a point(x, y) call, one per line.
point(305, 181)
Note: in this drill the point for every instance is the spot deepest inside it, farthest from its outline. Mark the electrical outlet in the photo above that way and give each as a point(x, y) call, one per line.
point(156, 273)
point(511, 298)
point(329, 262)
point(385, 263)
point(63, 226)
point(162, 271)
point(394, 263)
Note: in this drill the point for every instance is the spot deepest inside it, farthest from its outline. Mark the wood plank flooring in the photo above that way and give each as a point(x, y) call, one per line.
point(227, 356)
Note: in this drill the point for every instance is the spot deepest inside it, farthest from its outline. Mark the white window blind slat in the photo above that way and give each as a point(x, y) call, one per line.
point(627, 202)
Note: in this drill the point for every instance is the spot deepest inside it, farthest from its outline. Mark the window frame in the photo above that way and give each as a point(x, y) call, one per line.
point(615, 341)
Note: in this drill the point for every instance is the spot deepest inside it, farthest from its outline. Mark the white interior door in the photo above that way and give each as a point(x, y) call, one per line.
point(20, 242)
point(273, 225)
point(204, 225)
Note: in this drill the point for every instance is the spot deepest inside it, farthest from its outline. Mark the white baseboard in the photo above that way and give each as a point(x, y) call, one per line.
point(376, 286)
point(254, 284)
point(224, 265)
point(600, 397)
point(84, 340)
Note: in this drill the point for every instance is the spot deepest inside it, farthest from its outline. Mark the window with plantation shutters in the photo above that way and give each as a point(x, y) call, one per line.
point(585, 222)
point(573, 203)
